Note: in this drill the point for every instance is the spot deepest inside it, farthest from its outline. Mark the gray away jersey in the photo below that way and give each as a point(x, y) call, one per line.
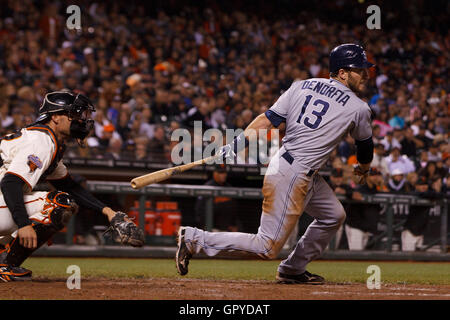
point(319, 113)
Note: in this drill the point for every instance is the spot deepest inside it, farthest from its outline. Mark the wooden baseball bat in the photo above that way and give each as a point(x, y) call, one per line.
point(164, 174)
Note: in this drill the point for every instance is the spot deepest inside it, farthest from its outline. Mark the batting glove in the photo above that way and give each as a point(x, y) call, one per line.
point(229, 151)
point(360, 174)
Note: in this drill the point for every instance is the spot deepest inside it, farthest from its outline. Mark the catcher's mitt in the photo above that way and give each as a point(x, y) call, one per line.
point(124, 230)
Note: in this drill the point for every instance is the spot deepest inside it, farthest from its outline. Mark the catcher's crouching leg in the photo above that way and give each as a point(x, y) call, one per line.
point(59, 208)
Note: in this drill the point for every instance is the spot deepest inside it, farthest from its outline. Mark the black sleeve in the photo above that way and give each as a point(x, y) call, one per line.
point(274, 118)
point(12, 189)
point(82, 197)
point(364, 150)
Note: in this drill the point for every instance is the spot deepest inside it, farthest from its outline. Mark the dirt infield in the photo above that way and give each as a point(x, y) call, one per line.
point(193, 289)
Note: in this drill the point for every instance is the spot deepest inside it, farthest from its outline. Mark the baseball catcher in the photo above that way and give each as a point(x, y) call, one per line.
point(28, 218)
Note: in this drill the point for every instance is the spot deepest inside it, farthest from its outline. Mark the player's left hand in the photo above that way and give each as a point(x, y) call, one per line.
point(361, 175)
point(125, 231)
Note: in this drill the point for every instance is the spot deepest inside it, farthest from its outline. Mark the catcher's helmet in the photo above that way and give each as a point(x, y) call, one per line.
point(348, 55)
point(60, 101)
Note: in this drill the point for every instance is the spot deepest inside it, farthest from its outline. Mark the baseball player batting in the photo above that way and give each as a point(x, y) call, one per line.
point(28, 219)
point(317, 114)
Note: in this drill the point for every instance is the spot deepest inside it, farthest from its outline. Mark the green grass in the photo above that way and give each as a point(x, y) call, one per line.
point(334, 271)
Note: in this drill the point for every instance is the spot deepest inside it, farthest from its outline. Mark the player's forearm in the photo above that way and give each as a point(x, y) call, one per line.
point(251, 133)
point(260, 122)
point(12, 190)
point(110, 213)
point(82, 196)
point(364, 152)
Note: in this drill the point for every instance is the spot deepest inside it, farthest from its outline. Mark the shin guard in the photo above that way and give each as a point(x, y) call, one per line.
point(60, 207)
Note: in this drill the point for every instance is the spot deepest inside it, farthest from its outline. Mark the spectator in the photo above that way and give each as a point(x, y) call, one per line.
point(140, 148)
point(114, 149)
point(412, 178)
point(433, 153)
point(379, 160)
point(107, 134)
point(362, 218)
point(422, 160)
point(396, 122)
point(123, 126)
point(376, 134)
point(418, 217)
point(222, 69)
point(6, 121)
point(346, 148)
point(397, 182)
point(390, 142)
point(430, 171)
point(114, 111)
point(382, 122)
point(397, 161)
point(337, 183)
point(446, 186)
point(158, 145)
point(409, 144)
point(224, 208)
point(423, 136)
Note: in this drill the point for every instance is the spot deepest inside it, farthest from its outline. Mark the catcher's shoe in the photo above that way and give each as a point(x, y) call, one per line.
point(10, 273)
point(183, 254)
point(304, 278)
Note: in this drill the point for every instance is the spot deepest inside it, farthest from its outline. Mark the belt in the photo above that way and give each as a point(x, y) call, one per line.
point(287, 156)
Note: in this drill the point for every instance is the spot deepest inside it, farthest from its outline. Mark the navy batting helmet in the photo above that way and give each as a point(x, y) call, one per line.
point(348, 55)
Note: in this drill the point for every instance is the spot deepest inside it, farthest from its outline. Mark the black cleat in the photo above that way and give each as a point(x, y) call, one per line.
point(10, 273)
point(183, 254)
point(304, 278)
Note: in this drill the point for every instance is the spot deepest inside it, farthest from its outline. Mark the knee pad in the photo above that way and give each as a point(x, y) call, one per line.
point(61, 206)
point(58, 209)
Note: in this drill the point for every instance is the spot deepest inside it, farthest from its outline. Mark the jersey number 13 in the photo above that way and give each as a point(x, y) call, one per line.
point(319, 114)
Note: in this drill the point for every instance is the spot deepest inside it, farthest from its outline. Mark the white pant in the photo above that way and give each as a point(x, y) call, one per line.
point(38, 210)
point(288, 191)
point(357, 239)
point(410, 242)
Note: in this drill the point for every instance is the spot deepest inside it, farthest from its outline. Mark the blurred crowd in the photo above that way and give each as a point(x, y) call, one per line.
point(151, 70)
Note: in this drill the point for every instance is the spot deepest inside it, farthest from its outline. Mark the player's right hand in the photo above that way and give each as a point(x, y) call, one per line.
point(227, 151)
point(27, 237)
point(360, 174)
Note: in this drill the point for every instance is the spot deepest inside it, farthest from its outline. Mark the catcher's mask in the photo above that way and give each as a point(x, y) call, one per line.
point(77, 107)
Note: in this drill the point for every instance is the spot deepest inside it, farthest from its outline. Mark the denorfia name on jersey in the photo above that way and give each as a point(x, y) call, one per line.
point(326, 90)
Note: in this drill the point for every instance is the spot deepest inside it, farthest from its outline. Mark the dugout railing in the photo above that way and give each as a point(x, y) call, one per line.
point(165, 246)
point(178, 190)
